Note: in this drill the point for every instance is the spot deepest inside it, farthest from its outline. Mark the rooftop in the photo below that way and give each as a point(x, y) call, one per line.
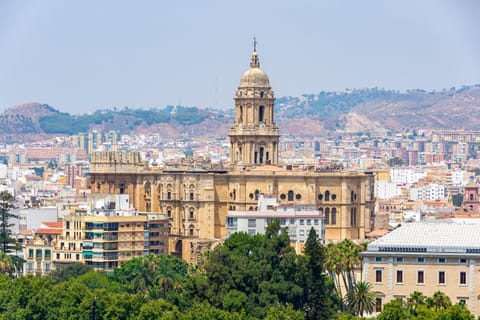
point(446, 235)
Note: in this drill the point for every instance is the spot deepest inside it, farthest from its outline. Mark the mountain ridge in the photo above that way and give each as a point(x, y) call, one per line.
point(321, 114)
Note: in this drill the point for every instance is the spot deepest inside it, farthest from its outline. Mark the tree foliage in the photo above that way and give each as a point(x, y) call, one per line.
point(6, 205)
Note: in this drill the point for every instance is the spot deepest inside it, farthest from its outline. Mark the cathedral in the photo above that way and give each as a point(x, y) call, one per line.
point(196, 200)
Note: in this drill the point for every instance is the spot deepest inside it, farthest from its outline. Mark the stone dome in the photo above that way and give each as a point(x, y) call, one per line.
point(254, 77)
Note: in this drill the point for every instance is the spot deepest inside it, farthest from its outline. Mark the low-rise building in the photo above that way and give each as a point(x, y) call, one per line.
point(429, 256)
point(298, 219)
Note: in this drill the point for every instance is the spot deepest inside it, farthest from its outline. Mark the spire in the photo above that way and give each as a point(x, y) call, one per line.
point(255, 63)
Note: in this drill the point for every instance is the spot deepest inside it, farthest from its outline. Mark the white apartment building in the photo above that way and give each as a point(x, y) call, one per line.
point(299, 219)
point(430, 192)
point(402, 176)
point(386, 190)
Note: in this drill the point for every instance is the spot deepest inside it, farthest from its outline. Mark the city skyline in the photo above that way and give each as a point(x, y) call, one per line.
point(79, 57)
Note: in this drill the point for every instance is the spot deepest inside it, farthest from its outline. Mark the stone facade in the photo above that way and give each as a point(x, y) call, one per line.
point(197, 200)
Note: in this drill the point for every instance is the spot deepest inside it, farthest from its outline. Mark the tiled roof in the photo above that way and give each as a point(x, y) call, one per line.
point(48, 231)
point(53, 224)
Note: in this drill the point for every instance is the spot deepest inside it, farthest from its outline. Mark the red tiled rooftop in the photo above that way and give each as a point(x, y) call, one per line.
point(53, 224)
point(48, 231)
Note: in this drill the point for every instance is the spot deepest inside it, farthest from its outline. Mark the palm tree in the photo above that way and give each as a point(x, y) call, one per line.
point(6, 264)
point(361, 298)
point(333, 264)
point(416, 298)
point(441, 300)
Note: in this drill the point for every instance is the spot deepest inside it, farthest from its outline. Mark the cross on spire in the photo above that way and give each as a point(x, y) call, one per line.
point(254, 43)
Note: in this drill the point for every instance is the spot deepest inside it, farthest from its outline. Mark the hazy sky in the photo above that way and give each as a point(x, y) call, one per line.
point(80, 56)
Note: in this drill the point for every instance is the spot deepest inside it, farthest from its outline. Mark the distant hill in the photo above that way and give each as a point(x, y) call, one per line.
point(321, 114)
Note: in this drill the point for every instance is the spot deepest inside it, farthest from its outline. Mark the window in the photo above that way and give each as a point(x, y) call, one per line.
point(30, 253)
point(442, 260)
point(353, 217)
point(38, 253)
point(191, 214)
point(399, 276)
point(378, 275)
point(191, 195)
point(29, 266)
point(334, 196)
point(283, 196)
point(320, 196)
point(399, 259)
point(261, 112)
point(327, 215)
point(302, 232)
point(463, 278)
point(302, 222)
point(463, 261)
point(309, 222)
point(421, 260)
point(169, 195)
point(47, 267)
point(327, 195)
point(298, 196)
point(290, 195)
point(252, 223)
point(378, 259)
point(420, 277)
point(292, 221)
point(334, 216)
point(378, 305)
point(441, 277)
point(315, 222)
point(47, 253)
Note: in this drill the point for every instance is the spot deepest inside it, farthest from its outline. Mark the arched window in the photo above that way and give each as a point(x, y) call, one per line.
point(256, 194)
point(122, 188)
point(191, 230)
point(353, 217)
point(327, 195)
point(261, 113)
point(169, 212)
point(471, 196)
point(351, 196)
point(327, 215)
point(334, 216)
point(240, 116)
point(290, 195)
point(191, 213)
point(147, 188)
point(261, 154)
point(191, 192)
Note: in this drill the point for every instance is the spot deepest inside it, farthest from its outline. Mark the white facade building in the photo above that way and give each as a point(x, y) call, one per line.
point(298, 219)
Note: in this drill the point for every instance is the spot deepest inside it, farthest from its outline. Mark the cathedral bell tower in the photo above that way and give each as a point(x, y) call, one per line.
point(254, 135)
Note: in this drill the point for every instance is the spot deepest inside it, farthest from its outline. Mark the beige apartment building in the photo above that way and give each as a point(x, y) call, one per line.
point(429, 256)
point(197, 199)
point(104, 237)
